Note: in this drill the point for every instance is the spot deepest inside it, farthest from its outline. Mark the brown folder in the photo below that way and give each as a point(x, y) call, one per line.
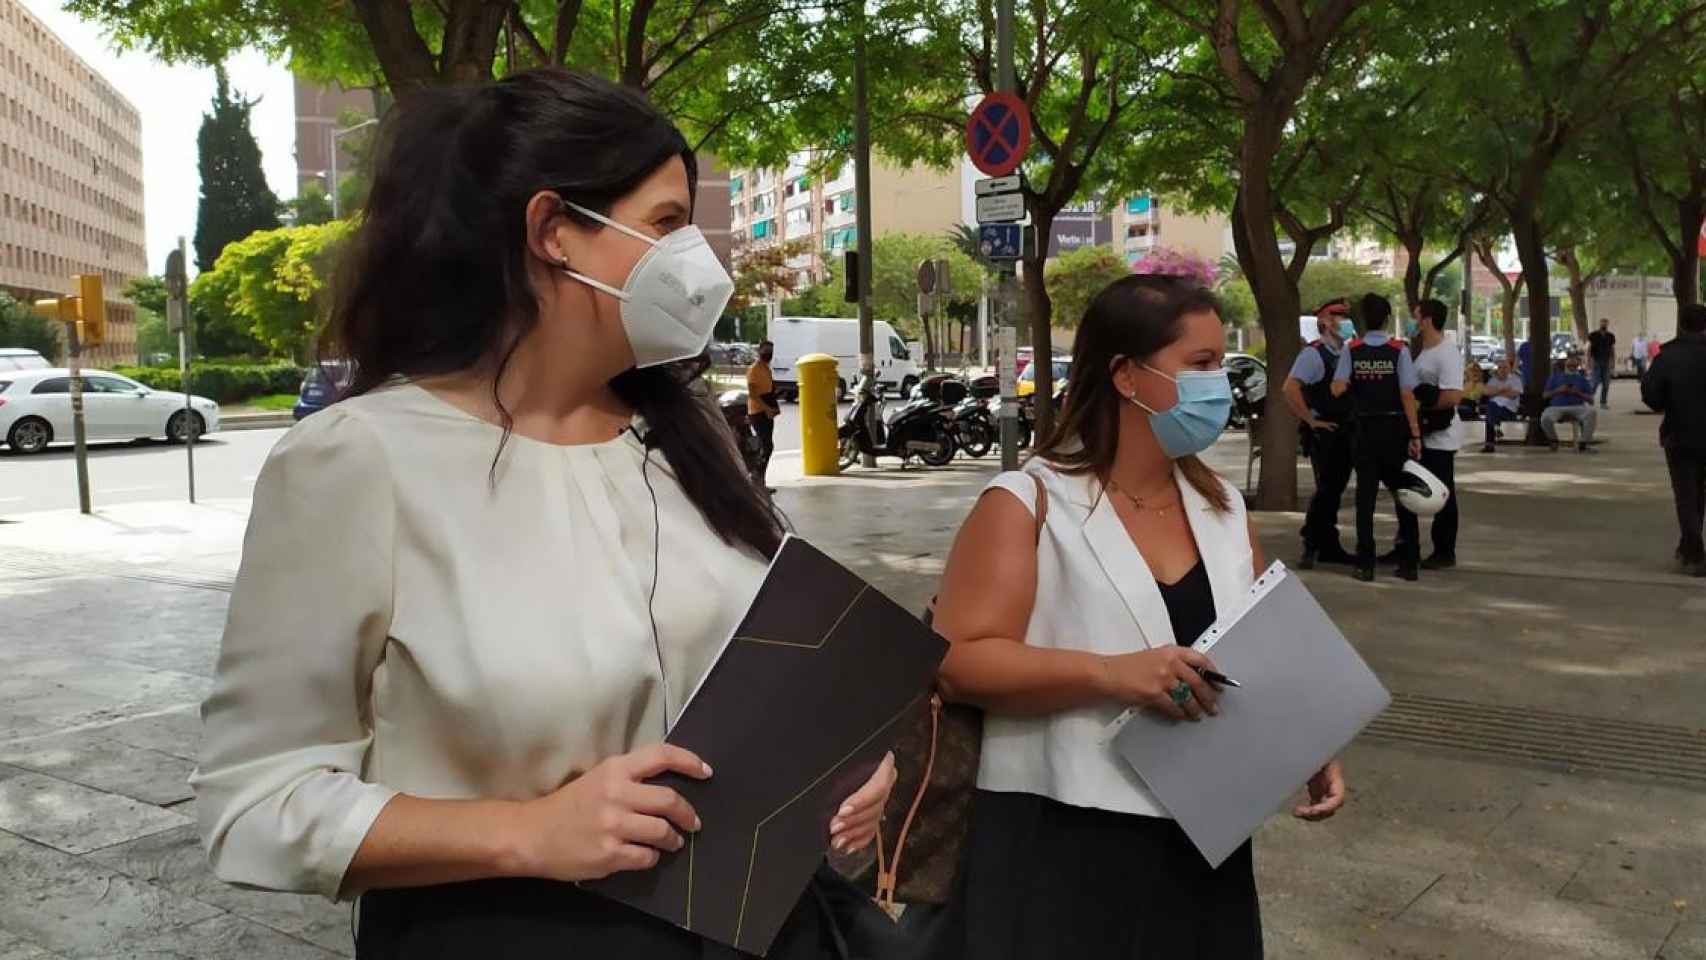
point(793, 717)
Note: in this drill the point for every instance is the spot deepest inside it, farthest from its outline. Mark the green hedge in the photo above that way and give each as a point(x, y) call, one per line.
point(222, 382)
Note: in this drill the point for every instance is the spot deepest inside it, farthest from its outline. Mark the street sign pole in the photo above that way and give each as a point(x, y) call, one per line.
point(177, 318)
point(1006, 355)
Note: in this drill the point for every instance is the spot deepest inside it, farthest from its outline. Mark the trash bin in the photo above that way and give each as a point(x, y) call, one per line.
point(819, 384)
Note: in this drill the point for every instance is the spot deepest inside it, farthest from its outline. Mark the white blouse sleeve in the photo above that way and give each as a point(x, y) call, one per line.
point(279, 793)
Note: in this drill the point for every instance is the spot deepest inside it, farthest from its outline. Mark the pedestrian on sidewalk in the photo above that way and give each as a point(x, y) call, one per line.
point(1075, 589)
point(1504, 401)
point(1439, 375)
point(1376, 372)
point(1638, 354)
point(1569, 396)
point(1602, 349)
point(763, 407)
point(455, 645)
point(1328, 431)
point(1676, 387)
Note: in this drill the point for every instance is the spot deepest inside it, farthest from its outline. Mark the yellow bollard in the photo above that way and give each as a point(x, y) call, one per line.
point(820, 447)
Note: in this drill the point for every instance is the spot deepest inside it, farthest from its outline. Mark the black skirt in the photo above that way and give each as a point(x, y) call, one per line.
point(528, 919)
point(1042, 879)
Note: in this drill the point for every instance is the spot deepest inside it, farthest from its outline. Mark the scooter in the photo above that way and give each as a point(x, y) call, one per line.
point(975, 430)
point(921, 428)
point(733, 405)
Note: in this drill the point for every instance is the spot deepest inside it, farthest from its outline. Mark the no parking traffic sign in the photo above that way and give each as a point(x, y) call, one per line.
point(998, 134)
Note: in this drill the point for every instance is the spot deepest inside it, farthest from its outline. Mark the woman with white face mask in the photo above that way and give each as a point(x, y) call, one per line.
point(1073, 592)
point(476, 591)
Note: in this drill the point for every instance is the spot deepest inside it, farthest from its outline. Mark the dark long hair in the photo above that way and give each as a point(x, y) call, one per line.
point(1133, 317)
point(435, 280)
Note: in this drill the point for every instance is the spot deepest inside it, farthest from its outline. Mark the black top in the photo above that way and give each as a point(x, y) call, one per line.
point(1190, 604)
point(1675, 386)
point(1602, 344)
point(1374, 389)
point(1319, 395)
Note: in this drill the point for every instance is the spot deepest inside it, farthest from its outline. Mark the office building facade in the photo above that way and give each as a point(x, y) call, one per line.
point(70, 178)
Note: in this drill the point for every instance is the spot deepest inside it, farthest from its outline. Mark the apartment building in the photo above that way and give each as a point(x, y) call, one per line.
point(803, 201)
point(70, 178)
point(1145, 223)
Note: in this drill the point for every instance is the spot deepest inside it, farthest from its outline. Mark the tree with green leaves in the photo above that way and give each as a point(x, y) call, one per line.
point(1664, 149)
point(310, 206)
point(1075, 278)
point(273, 283)
point(1534, 84)
point(235, 198)
point(20, 326)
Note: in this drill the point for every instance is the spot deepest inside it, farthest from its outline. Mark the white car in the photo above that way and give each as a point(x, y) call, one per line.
point(35, 409)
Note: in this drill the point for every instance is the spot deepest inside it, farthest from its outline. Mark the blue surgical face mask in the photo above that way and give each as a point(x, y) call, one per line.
point(1192, 424)
point(1347, 330)
point(1412, 329)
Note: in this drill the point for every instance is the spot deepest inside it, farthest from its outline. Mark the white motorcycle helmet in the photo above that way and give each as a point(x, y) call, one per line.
point(1420, 492)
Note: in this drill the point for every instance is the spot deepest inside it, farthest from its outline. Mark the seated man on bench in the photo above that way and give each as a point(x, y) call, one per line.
point(1569, 396)
point(1503, 393)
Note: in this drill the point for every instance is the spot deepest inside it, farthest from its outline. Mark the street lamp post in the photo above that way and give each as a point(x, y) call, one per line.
point(334, 141)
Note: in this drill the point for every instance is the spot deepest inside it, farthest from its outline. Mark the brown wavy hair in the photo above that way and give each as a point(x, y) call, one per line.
point(1134, 317)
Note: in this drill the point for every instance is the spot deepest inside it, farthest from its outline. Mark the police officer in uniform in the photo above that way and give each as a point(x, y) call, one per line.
point(1328, 432)
point(1376, 372)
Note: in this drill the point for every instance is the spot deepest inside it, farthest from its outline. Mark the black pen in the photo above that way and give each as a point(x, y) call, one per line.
point(1218, 679)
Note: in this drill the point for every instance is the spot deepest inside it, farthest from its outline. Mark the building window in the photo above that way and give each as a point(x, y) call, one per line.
point(734, 186)
point(761, 229)
point(845, 201)
point(788, 190)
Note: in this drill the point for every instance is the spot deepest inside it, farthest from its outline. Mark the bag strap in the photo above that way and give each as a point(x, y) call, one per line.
point(888, 874)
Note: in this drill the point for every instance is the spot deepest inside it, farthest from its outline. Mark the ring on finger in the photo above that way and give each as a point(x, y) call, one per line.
point(1181, 693)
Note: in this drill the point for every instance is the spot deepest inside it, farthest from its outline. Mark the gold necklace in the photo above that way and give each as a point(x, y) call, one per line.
point(1149, 503)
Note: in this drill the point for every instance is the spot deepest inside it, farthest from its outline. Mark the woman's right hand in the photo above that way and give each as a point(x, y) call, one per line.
point(609, 819)
point(1147, 678)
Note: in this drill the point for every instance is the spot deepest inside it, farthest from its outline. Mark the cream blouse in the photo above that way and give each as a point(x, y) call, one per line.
point(402, 624)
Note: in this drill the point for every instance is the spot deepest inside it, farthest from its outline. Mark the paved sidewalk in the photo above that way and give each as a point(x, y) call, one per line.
point(1538, 790)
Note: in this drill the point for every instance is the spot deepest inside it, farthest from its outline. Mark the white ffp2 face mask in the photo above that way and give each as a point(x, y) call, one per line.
point(673, 297)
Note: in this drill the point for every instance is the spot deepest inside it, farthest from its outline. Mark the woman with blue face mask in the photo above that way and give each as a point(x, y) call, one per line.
point(477, 590)
point(1073, 592)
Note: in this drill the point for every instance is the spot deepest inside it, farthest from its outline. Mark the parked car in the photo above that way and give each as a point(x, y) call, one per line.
point(322, 387)
point(35, 409)
point(1564, 346)
point(17, 358)
point(1027, 384)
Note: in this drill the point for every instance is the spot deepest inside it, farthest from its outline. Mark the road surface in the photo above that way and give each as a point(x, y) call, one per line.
point(226, 466)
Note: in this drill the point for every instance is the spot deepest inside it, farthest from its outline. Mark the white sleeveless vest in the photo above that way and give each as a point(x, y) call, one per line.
point(1096, 593)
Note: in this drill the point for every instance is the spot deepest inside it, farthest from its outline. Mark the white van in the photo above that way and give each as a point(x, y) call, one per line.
point(796, 337)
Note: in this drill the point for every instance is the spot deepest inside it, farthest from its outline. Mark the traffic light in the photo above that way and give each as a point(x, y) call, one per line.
point(850, 261)
point(92, 308)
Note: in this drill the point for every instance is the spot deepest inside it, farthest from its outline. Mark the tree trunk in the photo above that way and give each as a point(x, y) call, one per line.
point(1511, 296)
point(1257, 241)
point(1039, 309)
point(1685, 273)
point(1531, 250)
point(1413, 246)
point(1578, 291)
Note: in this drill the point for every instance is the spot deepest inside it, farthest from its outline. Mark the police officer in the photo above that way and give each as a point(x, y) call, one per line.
point(1328, 431)
point(1376, 372)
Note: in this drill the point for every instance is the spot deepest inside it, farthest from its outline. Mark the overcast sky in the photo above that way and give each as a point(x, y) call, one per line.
point(172, 101)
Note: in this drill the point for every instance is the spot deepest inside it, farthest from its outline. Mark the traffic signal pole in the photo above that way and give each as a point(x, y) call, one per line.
point(79, 434)
point(862, 197)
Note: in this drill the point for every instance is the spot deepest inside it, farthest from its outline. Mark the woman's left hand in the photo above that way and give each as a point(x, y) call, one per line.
point(855, 824)
point(1326, 793)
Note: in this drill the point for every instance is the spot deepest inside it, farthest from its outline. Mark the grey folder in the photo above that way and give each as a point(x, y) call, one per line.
point(1306, 694)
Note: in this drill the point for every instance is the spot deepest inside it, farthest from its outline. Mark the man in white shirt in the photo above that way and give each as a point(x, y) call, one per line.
point(1439, 372)
point(1504, 401)
point(1638, 354)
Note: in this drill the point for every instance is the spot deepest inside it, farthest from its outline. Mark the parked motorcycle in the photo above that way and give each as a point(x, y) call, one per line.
point(1246, 408)
point(975, 429)
point(733, 405)
point(921, 428)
